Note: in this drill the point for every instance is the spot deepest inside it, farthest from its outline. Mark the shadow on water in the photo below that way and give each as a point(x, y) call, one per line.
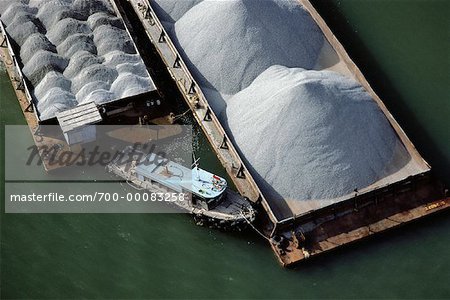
point(390, 95)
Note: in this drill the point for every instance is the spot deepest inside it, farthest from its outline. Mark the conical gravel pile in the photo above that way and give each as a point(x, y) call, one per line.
point(309, 134)
point(229, 43)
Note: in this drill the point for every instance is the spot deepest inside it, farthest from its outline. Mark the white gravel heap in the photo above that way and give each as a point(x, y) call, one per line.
point(102, 18)
point(65, 28)
point(54, 101)
point(34, 43)
point(109, 38)
point(95, 72)
point(172, 10)
point(229, 43)
point(73, 52)
point(51, 80)
point(80, 61)
point(41, 63)
point(309, 134)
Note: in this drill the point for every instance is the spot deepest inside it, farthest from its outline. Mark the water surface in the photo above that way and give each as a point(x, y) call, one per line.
point(402, 47)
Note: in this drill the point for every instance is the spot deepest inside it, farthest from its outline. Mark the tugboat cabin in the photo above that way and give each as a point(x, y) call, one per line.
point(206, 189)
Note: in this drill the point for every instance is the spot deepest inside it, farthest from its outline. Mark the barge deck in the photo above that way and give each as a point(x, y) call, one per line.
point(310, 230)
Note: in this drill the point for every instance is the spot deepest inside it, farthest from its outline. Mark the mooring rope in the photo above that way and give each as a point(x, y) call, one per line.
point(254, 228)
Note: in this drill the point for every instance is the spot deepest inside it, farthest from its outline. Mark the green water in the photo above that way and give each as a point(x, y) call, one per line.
point(400, 45)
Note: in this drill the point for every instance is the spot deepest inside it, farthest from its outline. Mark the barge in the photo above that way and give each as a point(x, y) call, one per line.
point(299, 230)
point(296, 231)
point(117, 107)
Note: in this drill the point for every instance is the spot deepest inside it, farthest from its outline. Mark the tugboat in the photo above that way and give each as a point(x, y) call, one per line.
point(205, 195)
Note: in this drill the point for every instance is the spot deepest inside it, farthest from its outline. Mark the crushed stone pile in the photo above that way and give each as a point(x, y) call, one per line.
point(65, 28)
point(229, 43)
point(73, 52)
point(5, 4)
point(172, 10)
point(34, 43)
point(41, 63)
point(81, 60)
point(109, 38)
point(309, 134)
point(17, 10)
point(303, 134)
point(77, 42)
point(89, 88)
point(94, 72)
point(51, 80)
point(102, 18)
point(128, 84)
point(54, 101)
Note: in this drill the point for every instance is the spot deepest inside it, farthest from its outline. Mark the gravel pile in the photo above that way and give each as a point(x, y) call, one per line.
point(65, 28)
point(41, 63)
point(109, 38)
point(172, 10)
point(5, 4)
point(128, 84)
point(33, 44)
point(77, 42)
point(94, 72)
point(89, 88)
point(102, 18)
point(229, 43)
point(56, 100)
point(73, 51)
point(80, 61)
point(51, 80)
point(309, 134)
